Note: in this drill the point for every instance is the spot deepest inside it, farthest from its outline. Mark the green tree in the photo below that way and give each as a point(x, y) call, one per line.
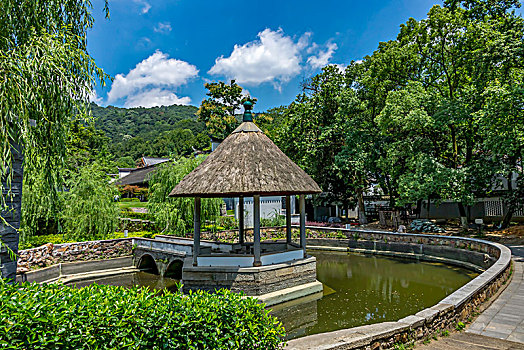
point(501, 122)
point(85, 145)
point(175, 215)
point(312, 133)
point(477, 9)
point(90, 212)
point(125, 162)
point(47, 75)
point(218, 110)
point(459, 56)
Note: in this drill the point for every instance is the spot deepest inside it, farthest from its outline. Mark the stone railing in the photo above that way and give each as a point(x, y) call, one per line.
point(493, 258)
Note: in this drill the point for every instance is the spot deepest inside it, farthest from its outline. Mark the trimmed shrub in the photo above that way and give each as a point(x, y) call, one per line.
point(128, 213)
point(55, 316)
point(37, 241)
point(129, 200)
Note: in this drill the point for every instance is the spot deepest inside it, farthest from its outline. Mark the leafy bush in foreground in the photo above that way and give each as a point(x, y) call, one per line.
point(55, 316)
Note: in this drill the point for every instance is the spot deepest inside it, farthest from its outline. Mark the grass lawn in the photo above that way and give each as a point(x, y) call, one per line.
point(132, 204)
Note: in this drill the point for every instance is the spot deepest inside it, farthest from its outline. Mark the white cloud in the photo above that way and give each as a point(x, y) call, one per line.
point(152, 78)
point(155, 97)
point(163, 27)
point(322, 58)
point(144, 43)
point(341, 67)
point(144, 4)
point(274, 57)
point(93, 97)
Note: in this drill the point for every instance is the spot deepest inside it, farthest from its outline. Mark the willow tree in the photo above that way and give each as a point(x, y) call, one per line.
point(47, 76)
point(90, 211)
point(175, 214)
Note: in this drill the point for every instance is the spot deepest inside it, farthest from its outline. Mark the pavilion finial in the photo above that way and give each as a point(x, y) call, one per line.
point(248, 116)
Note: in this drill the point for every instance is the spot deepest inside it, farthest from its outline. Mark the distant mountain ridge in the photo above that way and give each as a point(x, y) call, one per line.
point(118, 122)
point(167, 131)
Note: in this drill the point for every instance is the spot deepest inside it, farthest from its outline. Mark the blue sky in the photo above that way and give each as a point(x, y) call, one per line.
point(162, 52)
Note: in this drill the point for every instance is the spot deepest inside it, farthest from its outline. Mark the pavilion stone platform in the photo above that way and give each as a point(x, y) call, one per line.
point(254, 280)
point(248, 164)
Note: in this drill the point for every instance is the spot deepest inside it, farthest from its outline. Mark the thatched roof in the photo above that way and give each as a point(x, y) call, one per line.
point(246, 163)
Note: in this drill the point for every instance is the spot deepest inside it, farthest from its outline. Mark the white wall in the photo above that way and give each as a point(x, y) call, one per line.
point(268, 207)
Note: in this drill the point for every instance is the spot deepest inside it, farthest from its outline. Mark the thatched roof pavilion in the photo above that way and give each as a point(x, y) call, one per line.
point(247, 163)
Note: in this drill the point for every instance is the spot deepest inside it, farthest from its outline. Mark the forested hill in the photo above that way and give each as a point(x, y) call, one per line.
point(166, 131)
point(118, 122)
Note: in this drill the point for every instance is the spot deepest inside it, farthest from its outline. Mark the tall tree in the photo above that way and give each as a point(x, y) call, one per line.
point(219, 109)
point(459, 57)
point(175, 214)
point(47, 76)
point(501, 121)
point(313, 133)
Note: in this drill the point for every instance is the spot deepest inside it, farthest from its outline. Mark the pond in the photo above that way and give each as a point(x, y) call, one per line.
point(129, 280)
point(366, 289)
point(358, 290)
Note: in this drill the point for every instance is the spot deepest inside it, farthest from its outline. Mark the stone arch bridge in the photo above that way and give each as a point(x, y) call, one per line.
point(161, 257)
point(167, 255)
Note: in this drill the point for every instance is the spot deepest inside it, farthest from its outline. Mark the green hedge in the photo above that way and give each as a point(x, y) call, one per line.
point(37, 241)
point(134, 215)
point(100, 317)
point(129, 200)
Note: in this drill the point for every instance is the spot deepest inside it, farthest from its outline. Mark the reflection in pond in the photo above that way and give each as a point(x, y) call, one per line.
point(133, 279)
point(361, 289)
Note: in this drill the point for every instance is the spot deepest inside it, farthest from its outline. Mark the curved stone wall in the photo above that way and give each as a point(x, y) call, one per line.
point(492, 258)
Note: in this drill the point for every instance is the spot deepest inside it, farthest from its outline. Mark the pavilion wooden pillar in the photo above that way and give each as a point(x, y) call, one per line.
point(196, 234)
point(302, 207)
point(256, 230)
point(288, 219)
point(241, 220)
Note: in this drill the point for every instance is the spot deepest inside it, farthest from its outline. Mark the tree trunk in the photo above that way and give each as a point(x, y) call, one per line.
point(419, 208)
point(508, 215)
point(462, 215)
point(455, 145)
point(362, 219)
point(429, 207)
point(9, 235)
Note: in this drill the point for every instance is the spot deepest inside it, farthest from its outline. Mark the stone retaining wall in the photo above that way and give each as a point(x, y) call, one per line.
point(77, 270)
point(460, 306)
point(251, 280)
point(51, 254)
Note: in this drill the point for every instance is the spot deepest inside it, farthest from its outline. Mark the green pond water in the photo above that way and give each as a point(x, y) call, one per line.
point(362, 289)
point(358, 290)
point(129, 280)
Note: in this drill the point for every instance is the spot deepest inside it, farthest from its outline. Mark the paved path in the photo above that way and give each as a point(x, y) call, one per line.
point(469, 341)
point(501, 326)
point(504, 319)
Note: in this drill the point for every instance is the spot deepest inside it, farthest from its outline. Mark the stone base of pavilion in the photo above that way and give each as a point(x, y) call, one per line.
point(286, 272)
